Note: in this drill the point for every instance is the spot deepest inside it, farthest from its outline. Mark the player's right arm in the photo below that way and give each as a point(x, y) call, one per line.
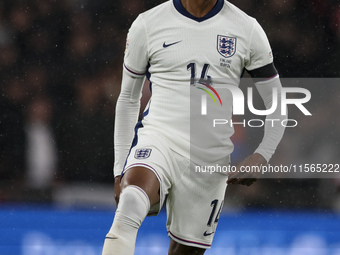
point(128, 103)
point(127, 110)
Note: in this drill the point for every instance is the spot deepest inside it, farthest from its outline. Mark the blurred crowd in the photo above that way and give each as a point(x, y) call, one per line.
point(60, 70)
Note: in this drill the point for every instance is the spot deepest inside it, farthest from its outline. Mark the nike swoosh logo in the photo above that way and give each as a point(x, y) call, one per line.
point(208, 234)
point(170, 44)
point(111, 237)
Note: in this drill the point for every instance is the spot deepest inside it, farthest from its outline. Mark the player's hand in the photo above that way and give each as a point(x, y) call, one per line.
point(117, 189)
point(248, 179)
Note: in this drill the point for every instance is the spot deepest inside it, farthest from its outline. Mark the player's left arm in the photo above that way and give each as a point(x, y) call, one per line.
point(261, 67)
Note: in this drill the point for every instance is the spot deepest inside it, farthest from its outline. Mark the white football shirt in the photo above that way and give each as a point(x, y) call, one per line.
point(173, 48)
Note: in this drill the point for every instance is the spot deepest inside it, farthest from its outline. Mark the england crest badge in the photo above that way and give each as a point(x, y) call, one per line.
point(142, 153)
point(226, 45)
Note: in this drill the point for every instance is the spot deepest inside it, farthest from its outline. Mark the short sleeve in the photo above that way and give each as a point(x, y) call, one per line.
point(260, 53)
point(136, 52)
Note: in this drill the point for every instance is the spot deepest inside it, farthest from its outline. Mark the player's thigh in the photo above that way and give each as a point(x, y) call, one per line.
point(145, 179)
point(148, 166)
point(180, 249)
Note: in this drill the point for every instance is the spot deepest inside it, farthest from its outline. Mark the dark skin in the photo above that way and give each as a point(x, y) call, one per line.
point(147, 180)
point(198, 8)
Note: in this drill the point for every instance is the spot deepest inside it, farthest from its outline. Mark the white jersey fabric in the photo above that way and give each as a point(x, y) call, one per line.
point(172, 48)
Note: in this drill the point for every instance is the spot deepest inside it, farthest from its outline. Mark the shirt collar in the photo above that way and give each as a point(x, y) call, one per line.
point(216, 9)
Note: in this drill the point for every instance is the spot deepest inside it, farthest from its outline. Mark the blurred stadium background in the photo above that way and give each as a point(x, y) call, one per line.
point(60, 70)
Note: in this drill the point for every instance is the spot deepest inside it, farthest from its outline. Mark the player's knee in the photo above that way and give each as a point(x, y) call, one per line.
point(145, 179)
point(133, 206)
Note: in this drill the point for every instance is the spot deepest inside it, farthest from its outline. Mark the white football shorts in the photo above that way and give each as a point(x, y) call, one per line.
point(194, 200)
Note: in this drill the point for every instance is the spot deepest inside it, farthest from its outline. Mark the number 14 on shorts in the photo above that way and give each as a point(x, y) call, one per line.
point(214, 217)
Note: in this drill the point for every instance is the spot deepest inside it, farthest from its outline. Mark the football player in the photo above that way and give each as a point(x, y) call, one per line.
point(175, 45)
